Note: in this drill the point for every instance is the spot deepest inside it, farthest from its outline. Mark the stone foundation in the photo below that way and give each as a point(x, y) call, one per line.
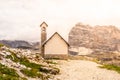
point(56, 56)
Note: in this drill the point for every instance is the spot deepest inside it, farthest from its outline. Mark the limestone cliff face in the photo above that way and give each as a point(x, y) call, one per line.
point(97, 38)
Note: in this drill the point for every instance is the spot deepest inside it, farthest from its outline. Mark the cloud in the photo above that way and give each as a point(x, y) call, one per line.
point(20, 19)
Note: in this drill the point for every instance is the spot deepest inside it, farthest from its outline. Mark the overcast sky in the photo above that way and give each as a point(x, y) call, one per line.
point(20, 19)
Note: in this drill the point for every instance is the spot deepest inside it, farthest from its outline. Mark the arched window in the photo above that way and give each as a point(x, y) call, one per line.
point(43, 29)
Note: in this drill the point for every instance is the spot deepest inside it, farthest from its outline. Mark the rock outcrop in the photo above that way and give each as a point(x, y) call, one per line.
point(97, 38)
point(21, 64)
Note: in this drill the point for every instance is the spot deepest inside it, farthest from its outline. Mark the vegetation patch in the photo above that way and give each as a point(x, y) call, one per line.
point(23, 60)
point(32, 73)
point(50, 62)
point(8, 77)
point(9, 74)
point(1, 45)
point(51, 70)
point(53, 58)
point(34, 70)
point(111, 67)
point(8, 71)
point(13, 57)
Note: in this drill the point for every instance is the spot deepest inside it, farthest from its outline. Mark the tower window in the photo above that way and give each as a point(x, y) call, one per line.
point(43, 29)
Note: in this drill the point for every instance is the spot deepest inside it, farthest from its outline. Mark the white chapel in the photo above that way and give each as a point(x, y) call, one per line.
point(55, 46)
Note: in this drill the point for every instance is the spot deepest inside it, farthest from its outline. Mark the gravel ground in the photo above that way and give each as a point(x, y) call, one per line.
point(84, 70)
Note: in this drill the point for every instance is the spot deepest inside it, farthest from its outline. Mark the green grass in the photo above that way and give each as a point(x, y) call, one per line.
point(51, 70)
point(9, 74)
point(53, 58)
point(8, 71)
point(13, 57)
point(1, 45)
point(32, 73)
point(36, 69)
point(111, 67)
point(50, 62)
point(8, 77)
point(23, 60)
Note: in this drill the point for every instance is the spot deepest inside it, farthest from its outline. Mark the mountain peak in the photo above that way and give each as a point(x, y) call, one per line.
point(102, 38)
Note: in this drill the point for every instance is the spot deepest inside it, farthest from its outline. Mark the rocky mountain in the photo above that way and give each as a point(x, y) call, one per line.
point(19, 44)
point(97, 38)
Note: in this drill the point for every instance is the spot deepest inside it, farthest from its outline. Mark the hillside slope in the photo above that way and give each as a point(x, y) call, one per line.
point(18, 64)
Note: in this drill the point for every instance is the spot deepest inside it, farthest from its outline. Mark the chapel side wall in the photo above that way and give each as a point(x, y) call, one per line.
point(56, 47)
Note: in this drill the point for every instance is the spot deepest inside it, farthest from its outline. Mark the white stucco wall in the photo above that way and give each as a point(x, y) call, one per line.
point(56, 45)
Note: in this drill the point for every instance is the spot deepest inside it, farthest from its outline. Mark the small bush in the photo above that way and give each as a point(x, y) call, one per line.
point(111, 67)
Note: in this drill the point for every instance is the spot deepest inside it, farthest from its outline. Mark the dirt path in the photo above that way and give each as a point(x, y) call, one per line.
point(84, 70)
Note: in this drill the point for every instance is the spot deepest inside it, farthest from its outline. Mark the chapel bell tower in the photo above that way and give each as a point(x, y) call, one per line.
point(43, 36)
